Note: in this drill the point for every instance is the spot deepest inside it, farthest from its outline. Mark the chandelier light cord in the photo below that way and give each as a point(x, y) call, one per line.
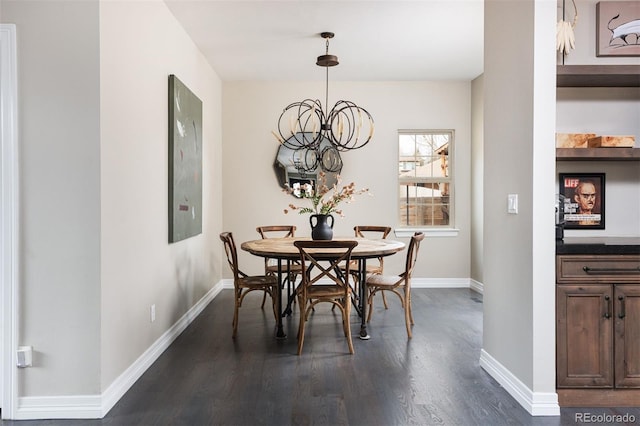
point(326, 87)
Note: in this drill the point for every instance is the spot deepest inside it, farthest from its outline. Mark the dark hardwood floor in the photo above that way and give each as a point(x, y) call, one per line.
point(206, 378)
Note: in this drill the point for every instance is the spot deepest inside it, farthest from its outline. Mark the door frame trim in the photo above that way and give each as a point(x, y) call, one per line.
point(9, 219)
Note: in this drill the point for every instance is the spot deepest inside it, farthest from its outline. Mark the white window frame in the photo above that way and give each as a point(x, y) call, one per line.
point(448, 230)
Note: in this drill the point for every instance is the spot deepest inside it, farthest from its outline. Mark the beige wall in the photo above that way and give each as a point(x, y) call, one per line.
point(59, 144)
point(141, 44)
point(519, 111)
point(93, 158)
point(252, 196)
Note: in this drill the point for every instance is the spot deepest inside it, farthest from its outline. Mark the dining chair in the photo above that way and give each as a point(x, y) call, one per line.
point(243, 284)
point(326, 284)
point(400, 285)
point(271, 265)
point(374, 266)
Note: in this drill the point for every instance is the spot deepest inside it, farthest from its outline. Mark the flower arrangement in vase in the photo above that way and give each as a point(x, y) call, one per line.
point(324, 201)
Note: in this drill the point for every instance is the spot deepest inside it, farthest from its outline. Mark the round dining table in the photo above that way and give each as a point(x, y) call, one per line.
point(283, 249)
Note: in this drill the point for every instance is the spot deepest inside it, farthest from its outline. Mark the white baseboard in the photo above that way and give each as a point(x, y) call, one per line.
point(122, 384)
point(440, 282)
point(476, 286)
point(418, 283)
point(97, 406)
point(415, 283)
point(536, 403)
point(59, 407)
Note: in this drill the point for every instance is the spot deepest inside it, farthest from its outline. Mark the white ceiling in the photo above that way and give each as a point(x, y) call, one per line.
point(384, 40)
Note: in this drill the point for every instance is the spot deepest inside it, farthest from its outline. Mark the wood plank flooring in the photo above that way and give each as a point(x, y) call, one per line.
point(206, 378)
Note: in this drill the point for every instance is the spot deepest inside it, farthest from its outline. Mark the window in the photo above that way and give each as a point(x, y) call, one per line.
point(425, 178)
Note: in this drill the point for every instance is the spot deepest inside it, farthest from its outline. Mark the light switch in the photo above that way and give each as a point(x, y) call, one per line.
point(512, 203)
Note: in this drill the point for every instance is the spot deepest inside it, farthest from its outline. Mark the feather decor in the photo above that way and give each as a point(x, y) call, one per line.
point(565, 37)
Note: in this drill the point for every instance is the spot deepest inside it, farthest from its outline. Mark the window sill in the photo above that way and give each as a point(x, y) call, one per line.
point(428, 232)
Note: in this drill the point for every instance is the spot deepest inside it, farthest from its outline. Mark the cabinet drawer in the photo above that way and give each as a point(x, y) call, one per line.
point(598, 269)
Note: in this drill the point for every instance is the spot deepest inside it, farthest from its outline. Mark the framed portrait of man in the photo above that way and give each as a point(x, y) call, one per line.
point(584, 200)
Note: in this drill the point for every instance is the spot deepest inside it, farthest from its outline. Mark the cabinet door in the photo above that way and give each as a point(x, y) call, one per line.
point(627, 335)
point(584, 336)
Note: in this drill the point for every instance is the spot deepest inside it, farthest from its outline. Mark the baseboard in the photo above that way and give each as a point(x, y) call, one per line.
point(418, 283)
point(598, 397)
point(97, 406)
point(536, 403)
point(476, 286)
point(124, 382)
point(440, 282)
point(59, 407)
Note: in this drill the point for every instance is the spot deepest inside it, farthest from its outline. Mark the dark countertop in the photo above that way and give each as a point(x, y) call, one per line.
point(598, 245)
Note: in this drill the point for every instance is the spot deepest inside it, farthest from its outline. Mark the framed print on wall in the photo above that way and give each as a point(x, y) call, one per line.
point(618, 28)
point(185, 162)
point(584, 203)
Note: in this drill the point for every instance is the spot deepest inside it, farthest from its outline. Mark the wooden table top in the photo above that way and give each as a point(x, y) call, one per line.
point(283, 247)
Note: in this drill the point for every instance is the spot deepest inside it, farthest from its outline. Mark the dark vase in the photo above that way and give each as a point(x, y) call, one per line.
point(321, 230)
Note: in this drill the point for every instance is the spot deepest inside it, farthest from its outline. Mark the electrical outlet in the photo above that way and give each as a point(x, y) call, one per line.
point(25, 356)
point(153, 312)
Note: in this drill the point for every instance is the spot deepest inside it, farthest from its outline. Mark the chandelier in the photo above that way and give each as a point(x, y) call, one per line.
point(305, 125)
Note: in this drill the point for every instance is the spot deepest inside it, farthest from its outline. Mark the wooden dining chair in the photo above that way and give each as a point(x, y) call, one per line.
point(243, 284)
point(271, 265)
point(400, 285)
point(326, 284)
point(374, 266)
point(277, 231)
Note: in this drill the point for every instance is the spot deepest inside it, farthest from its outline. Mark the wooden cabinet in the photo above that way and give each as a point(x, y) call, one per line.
point(584, 336)
point(598, 323)
point(598, 295)
point(626, 301)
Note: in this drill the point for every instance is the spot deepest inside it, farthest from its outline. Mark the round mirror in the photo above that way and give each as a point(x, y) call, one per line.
point(299, 163)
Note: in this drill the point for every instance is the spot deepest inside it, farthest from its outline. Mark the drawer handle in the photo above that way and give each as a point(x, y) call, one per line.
point(607, 313)
point(620, 271)
point(622, 313)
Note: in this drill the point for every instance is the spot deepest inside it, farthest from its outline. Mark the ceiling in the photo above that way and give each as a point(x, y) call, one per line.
point(384, 40)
